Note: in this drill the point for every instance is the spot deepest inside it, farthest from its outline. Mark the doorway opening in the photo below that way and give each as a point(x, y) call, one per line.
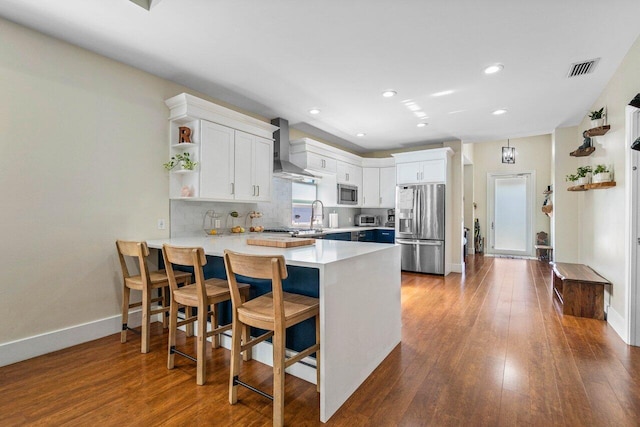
point(510, 219)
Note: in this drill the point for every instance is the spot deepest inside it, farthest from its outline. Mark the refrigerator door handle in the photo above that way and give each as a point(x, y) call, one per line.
point(419, 242)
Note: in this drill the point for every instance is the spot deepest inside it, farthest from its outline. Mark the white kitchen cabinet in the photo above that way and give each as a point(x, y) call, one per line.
point(320, 163)
point(234, 152)
point(370, 187)
point(349, 174)
point(387, 187)
point(378, 187)
point(235, 165)
point(421, 172)
point(217, 155)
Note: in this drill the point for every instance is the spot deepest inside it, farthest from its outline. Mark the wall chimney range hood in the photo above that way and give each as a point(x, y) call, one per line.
point(282, 167)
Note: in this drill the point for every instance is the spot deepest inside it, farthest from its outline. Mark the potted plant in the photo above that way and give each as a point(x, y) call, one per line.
point(583, 173)
point(571, 178)
point(601, 174)
point(597, 117)
point(183, 159)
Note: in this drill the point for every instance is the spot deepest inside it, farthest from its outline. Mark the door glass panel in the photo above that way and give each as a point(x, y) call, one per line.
point(511, 214)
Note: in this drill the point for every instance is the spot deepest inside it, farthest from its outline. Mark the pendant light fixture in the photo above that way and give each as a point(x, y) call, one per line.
point(508, 154)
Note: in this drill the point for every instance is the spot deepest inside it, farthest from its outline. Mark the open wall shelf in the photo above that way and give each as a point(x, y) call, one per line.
point(593, 186)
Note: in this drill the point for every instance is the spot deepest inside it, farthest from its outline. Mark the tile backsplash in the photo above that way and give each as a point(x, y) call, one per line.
point(187, 216)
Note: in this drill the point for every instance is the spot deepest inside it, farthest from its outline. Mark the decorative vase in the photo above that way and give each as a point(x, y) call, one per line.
point(602, 177)
point(582, 180)
point(597, 123)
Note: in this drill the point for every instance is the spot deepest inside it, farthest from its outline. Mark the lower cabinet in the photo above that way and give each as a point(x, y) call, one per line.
point(338, 236)
point(385, 236)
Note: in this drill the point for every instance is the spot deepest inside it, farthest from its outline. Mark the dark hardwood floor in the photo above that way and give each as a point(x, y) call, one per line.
point(485, 349)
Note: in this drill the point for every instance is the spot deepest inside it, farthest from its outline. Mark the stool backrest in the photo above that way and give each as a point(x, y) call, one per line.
point(257, 267)
point(138, 250)
point(188, 257)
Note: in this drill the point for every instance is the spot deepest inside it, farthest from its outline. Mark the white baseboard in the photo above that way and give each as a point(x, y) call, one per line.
point(27, 348)
point(619, 324)
point(456, 268)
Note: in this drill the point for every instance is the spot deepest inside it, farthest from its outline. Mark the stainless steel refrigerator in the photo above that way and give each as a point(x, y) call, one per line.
point(420, 227)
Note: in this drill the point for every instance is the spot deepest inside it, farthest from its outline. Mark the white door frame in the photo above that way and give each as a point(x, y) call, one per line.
point(633, 224)
point(490, 209)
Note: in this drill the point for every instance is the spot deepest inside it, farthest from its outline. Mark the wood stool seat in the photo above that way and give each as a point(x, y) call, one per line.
point(203, 295)
point(275, 312)
point(146, 282)
point(259, 311)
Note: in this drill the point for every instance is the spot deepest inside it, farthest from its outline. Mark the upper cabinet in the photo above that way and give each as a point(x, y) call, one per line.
point(234, 152)
point(317, 162)
point(427, 166)
point(378, 183)
point(349, 174)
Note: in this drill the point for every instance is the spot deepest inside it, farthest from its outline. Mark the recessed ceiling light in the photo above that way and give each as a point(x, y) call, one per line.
point(421, 114)
point(492, 69)
point(499, 112)
point(314, 111)
point(443, 93)
point(456, 111)
point(389, 93)
point(360, 134)
point(421, 125)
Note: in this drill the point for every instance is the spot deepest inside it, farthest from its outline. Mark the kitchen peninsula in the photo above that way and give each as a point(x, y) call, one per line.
point(359, 289)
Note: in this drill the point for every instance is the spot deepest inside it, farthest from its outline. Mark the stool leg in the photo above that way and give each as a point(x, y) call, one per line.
point(236, 327)
point(188, 314)
point(215, 339)
point(146, 308)
point(201, 364)
point(246, 333)
point(173, 326)
point(126, 292)
point(164, 293)
point(278, 377)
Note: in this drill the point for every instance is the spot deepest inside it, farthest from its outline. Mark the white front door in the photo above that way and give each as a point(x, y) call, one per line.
point(510, 214)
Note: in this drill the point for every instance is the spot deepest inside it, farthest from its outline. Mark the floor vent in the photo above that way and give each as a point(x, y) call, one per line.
point(582, 68)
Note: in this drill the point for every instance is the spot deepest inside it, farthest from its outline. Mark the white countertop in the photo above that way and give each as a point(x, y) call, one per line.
point(321, 253)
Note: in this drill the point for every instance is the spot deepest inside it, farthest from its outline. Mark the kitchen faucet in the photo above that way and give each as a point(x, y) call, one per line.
point(313, 212)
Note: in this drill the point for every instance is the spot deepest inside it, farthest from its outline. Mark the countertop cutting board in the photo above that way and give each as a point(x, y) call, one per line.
point(279, 242)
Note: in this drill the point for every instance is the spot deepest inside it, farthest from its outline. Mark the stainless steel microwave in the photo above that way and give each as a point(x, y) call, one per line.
point(347, 194)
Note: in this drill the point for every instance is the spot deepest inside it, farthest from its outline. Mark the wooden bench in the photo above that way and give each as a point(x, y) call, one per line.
point(579, 289)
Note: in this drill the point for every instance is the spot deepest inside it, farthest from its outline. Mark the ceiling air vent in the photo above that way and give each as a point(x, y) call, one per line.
point(582, 68)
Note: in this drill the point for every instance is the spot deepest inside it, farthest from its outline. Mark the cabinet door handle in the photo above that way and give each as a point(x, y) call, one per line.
point(380, 201)
point(347, 177)
point(233, 188)
point(258, 191)
point(254, 190)
point(418, 176)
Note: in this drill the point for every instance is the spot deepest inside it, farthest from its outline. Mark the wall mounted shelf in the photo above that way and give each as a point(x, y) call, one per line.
point(598, 131)
point(594, 186)
point(582, 152)
point(600, 185)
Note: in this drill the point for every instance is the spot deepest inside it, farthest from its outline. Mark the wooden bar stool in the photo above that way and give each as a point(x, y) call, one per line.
point(275, 312)
point(145, 282)
point(203, 295)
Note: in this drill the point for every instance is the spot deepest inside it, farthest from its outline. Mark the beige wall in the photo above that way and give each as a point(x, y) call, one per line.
point(600, 214)
point(83, 142)
point(532, 154)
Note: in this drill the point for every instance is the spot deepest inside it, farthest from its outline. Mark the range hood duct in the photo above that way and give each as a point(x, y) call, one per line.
point(282, 167)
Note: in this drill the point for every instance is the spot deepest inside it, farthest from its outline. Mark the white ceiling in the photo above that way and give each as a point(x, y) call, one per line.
point(279, 58)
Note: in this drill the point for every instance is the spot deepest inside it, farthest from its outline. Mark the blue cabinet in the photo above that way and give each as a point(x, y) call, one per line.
point(338, 236)
point(385, 236)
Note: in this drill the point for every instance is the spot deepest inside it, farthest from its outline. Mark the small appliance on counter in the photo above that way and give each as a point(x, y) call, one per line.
point(333, 220)
point(391, 218)
point(365, 220)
